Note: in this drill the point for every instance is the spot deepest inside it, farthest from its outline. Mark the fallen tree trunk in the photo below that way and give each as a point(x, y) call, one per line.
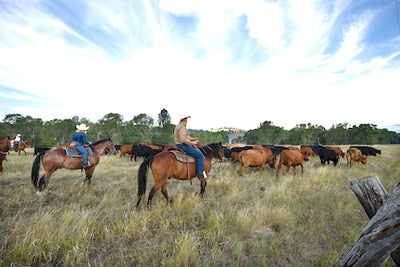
point(381, 236)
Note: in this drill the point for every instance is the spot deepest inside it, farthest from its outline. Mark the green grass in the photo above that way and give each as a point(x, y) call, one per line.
point(310, 219)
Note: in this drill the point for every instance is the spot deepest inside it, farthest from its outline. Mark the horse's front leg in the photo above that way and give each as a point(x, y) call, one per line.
point(89, 175)
point(203, 184)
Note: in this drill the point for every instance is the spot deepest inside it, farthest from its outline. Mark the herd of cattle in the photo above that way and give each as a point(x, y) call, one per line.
point(260, 155)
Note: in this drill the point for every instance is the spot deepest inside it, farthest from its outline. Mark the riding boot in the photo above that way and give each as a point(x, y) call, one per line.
point(87, 165)
point(200, 176)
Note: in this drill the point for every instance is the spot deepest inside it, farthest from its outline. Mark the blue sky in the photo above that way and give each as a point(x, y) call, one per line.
point(226, 63)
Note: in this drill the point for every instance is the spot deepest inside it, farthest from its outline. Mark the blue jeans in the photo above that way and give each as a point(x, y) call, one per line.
point(83, 152)
point(194, 153)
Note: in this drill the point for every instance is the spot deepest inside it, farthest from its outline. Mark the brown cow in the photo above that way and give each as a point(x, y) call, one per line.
point(354, 156)
point(125, 149)
point(308, 151)
point(337, 149)
point(152, 146)
point(291, 158)
point(235, 153)
point(230, 146)
point(258, 156)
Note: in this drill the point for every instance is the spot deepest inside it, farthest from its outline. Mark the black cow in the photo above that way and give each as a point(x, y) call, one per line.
point(143, 151)
point(38, 150)
point(316, 148)
point(326, 155)
point(117, 148)
point(227, 152)
point(276, 150)
point(367, 150)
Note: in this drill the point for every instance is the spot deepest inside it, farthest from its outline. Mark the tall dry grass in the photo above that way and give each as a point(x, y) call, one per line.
point(258, 219)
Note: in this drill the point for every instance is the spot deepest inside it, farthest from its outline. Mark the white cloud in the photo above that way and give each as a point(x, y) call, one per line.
point(310, 56)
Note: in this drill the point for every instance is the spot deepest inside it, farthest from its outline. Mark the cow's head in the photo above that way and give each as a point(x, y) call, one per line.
point(364, 160)
point(304, 155)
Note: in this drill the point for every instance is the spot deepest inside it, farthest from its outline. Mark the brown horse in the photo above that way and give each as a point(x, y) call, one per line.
point(22, 146)
point(4, 148)
point(164, 165)
point(57, 158)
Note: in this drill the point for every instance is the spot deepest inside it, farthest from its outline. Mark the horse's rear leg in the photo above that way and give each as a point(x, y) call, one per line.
point(152, 192)
point(44, 180)
point(165, 192)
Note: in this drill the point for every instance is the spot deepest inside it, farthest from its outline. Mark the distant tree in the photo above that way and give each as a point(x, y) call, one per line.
point(164, 133)
point(142, 125)
point(164, 119)
point(15, 122)
point(363, 134)
point(110, 125)
point(338, 134)
point(306, 134)
point(266, 133)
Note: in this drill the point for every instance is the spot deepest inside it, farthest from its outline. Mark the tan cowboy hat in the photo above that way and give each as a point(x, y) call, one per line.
point(184, 117)
point(82, 127)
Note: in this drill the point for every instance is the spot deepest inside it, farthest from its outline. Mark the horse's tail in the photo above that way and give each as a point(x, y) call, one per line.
point(35, 169)
point(142, 176)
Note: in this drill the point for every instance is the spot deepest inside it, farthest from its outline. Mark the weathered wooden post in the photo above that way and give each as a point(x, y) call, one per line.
point(381, 236)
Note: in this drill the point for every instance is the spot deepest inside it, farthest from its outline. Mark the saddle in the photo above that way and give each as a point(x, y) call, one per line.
point(181, 156)
point(73, 152)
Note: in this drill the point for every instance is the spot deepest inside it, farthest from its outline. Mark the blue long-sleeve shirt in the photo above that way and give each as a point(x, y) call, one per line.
point(80, 138)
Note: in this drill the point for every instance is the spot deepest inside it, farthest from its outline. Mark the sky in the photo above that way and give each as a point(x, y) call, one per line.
point(226, 63)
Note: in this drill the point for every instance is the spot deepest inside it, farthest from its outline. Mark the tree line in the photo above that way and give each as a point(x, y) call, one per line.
point(340, 134)
point(143, 128)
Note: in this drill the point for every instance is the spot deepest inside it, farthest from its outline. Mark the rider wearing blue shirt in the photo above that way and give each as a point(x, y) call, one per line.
point(79, 140)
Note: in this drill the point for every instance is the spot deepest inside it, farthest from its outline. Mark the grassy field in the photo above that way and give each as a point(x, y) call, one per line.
point(310, 219)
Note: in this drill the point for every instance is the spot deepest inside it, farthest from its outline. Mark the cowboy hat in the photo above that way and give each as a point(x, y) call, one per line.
point(184, 117)
point(82, 127)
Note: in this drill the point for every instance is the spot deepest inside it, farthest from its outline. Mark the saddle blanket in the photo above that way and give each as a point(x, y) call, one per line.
point(181, 156)
point(77, 153)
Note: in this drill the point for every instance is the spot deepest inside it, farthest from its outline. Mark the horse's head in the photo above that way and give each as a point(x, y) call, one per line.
point(10, 143)
point(220, 152)
point(216, 150)
point(110, 148)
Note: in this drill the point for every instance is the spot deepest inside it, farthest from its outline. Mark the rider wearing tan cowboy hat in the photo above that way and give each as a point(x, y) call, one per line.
point(78, 140)
point(186, 143)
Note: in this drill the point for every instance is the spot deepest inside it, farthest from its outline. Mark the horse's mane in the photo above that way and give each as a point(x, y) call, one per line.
point(208, 150)
point(99, 142)
point(215, 148)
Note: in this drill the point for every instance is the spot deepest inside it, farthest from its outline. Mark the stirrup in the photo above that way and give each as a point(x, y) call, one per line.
point(201, 177)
